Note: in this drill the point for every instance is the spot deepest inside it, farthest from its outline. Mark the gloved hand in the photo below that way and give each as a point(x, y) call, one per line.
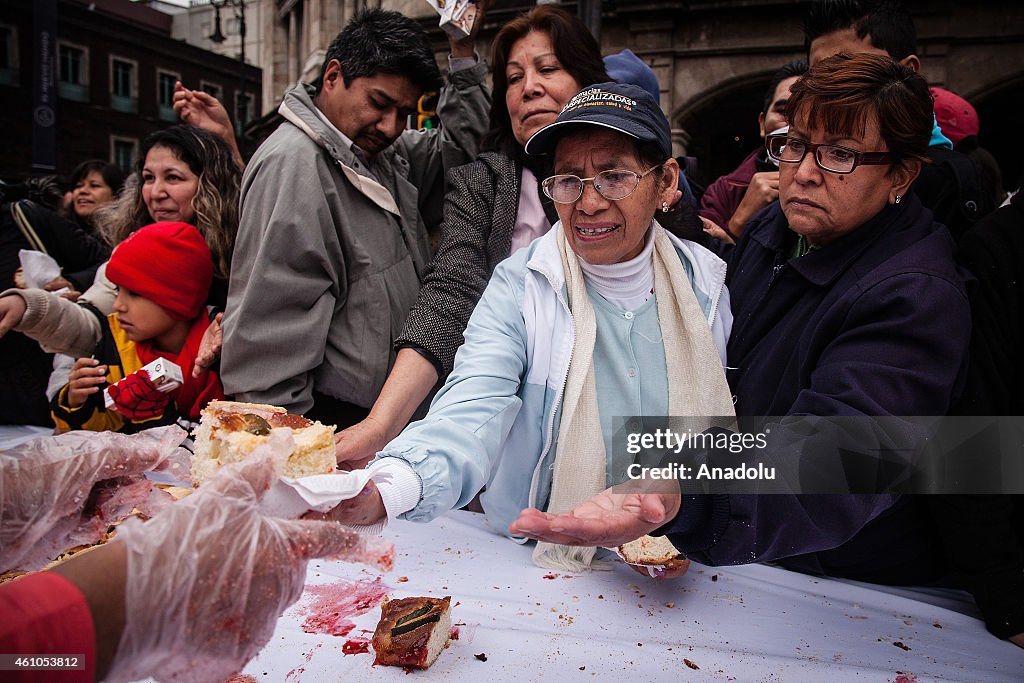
point(44, 484)
point(208, 577)
point(137, 398)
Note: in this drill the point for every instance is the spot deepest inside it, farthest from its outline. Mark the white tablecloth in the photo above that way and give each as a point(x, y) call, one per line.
point(753, 623)
point(14, 435)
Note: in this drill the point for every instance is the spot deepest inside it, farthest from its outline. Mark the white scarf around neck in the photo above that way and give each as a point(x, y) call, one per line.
point(696, 386)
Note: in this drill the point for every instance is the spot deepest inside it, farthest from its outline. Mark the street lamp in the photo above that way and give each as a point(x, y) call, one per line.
point(238, 8)
point(217, 36)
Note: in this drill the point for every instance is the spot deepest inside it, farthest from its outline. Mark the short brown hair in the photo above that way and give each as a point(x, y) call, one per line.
point(840, 93)
point(574, 46)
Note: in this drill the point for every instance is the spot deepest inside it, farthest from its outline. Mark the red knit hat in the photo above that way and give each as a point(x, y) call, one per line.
point(169, 264)
point(956, 117)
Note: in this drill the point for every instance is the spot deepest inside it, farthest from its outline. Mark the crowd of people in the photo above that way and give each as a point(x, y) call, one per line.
point(579, 276)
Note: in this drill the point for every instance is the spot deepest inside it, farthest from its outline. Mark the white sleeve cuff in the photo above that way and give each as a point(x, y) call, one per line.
point(399, 485)
point(462, 63)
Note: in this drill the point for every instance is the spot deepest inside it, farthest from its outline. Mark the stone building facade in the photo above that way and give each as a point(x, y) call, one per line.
point(116, 64)
point(713, 58)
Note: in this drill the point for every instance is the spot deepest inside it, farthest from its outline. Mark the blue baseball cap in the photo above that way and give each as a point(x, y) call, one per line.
point(622, 107)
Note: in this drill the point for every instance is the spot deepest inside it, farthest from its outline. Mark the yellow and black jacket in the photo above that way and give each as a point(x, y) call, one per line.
point(118, 353)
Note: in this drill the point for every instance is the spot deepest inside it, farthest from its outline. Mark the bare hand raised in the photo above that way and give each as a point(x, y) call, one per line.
point(86, 377)
point(466, 47)
point(202, 110)
point(762, 191)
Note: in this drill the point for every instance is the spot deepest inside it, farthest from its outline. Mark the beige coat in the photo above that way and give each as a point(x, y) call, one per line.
point(61, 326)
point(329, 254)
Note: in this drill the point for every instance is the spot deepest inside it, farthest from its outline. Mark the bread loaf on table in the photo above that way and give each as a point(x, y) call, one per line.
point(412, 631)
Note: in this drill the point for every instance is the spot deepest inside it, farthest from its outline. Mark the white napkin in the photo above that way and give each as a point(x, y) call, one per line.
point(39, 268)
point(290, 498)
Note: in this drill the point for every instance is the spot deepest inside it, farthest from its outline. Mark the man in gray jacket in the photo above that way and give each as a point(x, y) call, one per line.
point(332, 240)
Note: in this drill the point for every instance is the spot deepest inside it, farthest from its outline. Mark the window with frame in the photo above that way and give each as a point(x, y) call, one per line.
point(71, 64)
point(211, 89)
point(5, 51)
point(243, 111)
point(72, 72)
point(123, 152)
point(165, 94)
point(8, 55)
point(123, 85)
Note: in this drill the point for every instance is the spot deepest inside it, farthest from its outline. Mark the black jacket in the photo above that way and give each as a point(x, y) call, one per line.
point(876, 323)
point(24, 367)
point(955, 189)
point(984, 535)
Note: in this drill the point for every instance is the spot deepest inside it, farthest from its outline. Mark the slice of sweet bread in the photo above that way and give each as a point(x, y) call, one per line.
point(229, 431)
point(652, 551)
point(412, 631)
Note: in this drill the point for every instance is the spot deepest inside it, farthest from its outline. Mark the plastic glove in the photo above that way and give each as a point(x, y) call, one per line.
point(137, 398)
point(44, 483)
point(208, 577)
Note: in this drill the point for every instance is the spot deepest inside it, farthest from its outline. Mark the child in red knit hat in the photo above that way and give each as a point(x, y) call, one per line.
point(163, 274)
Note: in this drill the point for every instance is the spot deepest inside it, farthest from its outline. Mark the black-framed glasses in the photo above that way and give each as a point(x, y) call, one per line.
point(614, 184)
point(831, 158)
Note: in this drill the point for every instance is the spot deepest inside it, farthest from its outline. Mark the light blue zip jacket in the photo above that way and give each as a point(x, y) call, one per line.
point(495, 421)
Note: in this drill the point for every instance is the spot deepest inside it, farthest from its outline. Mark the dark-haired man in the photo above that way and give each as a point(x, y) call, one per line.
point(332, 240)
point(953, 187)
point(879, 26)
point(733, 199)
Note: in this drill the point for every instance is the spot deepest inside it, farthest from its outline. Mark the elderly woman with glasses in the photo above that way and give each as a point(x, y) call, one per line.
point(606, 315)
point(847, 305)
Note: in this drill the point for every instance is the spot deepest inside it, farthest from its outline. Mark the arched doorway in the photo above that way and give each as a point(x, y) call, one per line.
point(999, 113)
point(720, 124)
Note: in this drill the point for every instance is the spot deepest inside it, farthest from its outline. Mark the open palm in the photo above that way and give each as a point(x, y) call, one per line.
point(608, 519)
